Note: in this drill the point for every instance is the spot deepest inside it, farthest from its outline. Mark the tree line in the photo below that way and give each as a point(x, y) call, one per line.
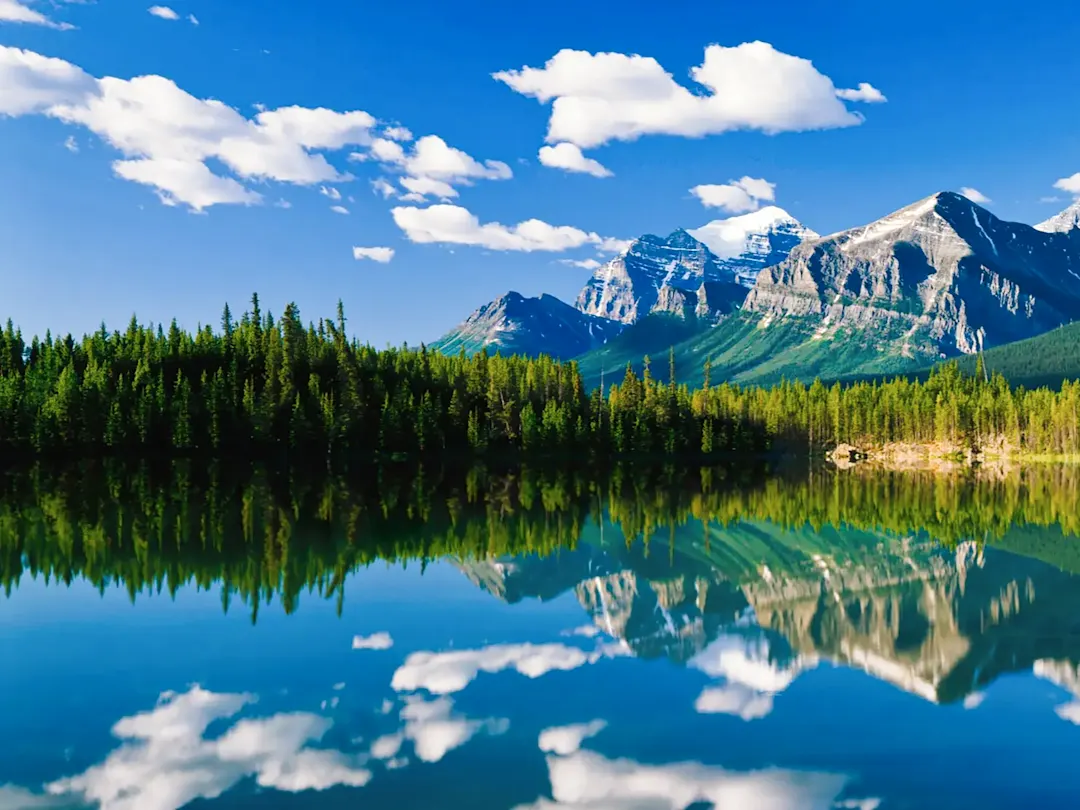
point(262, 534)
point(261, 384)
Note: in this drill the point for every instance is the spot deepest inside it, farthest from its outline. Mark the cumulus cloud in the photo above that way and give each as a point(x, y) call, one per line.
point(382, 255)
point(865, 92)
point(454, 225)
point(568, 156)
point(164, 12)
point(975, 195)
point(1069, 184)
point(397, 133)
point(166, 136)
point(433, 729)
point(584, 264)
point(383, 187)
point(587, 779)
point(601, 97)
point(339, 209)
point(376, 641)
point(193, 19)
point(565, 740)
point(447, 672)
point(16, 11)
point(736, 196)
point(165, 761)
point(71, 144)
point(432, 167)
point(330, 191)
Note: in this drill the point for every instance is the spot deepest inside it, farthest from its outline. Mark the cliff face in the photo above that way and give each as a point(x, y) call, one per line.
point(942, 276)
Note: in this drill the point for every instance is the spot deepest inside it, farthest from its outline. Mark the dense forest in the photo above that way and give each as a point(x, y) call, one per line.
point(261, 384)
point(261, 534)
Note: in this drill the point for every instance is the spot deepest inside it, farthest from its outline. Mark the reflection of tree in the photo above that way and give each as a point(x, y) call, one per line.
point(264, 533)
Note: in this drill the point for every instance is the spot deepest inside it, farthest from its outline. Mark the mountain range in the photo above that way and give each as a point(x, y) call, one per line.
point(763, 297)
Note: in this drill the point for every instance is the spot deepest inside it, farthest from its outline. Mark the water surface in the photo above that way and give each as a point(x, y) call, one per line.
point(539, 642)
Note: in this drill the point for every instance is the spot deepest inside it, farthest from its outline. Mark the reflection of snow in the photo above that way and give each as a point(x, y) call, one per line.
point(376, 641)
point(446, 672)
point(165, 762)
point(433, 730)
point(568, 739)
point(751, 677)
point(586, 780)
point(1065, 675)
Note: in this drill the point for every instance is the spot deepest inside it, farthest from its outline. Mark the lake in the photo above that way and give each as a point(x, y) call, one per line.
point(732, 638)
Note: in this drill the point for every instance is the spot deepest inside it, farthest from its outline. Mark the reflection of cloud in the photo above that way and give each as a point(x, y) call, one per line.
point(735, 699)
point(586, 630)
point(165, 762)
point(974, 700)
point(433, 730)
point(376, 641)
point(588, 781)
point(752, 677)
point(13, 797)
point(1066, 676)
point(446, 672)
point(568, 739)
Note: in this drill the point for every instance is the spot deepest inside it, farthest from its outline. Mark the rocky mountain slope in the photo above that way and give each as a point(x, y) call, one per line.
point(942, 277)
point(514, 324)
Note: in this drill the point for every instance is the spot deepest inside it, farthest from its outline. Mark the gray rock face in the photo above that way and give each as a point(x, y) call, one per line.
point(1067, 220)
point(703, 273)
point(514, 324)
point(941, 276)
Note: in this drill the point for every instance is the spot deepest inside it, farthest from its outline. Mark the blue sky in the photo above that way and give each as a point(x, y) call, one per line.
point(978, 97)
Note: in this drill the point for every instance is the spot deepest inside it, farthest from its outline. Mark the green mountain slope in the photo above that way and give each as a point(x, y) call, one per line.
point(1047, 359)
point(751, 349)
point(652, 335)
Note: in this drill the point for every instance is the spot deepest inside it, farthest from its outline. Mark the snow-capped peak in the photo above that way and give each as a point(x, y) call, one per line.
point(735, 236)
point(1064, 222)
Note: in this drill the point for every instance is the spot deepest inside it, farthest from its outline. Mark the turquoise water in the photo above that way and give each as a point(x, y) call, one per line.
point(883, 673)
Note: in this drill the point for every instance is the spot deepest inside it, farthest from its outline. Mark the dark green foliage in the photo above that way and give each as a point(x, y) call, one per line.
point(265, 385)
point(1048, 359)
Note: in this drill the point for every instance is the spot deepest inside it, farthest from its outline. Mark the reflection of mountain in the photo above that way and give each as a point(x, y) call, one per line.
point(935, 622)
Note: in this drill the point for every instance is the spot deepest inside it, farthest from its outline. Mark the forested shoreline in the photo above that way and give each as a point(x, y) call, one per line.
point(263, 385)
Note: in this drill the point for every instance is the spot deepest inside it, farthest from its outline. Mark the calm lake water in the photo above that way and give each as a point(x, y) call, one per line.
point(514, 642)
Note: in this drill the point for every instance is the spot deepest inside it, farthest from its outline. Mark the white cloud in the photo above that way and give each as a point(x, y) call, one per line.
point(164, 761)
point(588, 781)
point(15, 11)
point(71, 144)
point(454, 225)
point(166, 135)
point(446, 672)
point(383, 187)
point(382, 255)
point(1053, 198)
point(1069, 184)
point(565, 740)
point(164, 12)
point(597, 98)
point(376, 641)
point(865, 92)
point(330, 191)
point(736, 196)
point(193, 19)
point(397, 133)
point(432, 167)
point(584, 264)
point(420, 187)
point(283, 204)
point(975, 195)
point(568, 156)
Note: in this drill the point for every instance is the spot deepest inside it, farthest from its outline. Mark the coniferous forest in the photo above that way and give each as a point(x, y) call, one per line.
point(262, 384)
